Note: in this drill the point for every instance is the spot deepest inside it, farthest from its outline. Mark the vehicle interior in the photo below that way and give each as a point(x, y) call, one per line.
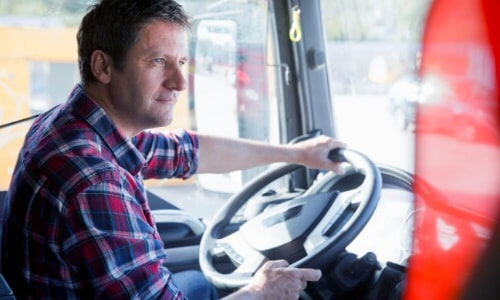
point(412, 94)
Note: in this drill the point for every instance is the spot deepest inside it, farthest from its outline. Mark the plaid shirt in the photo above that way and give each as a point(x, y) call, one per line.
point(79, 223)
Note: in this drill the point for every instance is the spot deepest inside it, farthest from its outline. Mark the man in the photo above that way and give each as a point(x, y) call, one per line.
point(78, 223)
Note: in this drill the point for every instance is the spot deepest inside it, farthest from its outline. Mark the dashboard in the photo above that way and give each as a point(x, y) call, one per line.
point(388, 234)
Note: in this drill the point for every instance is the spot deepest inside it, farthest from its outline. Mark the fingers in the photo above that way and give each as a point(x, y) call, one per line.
point(289, 294)
point(310, 274)
point(337, 167)
point(277, 280)
point(315, 153)
point(303, 274)
point(337, 144)
point(280, 263)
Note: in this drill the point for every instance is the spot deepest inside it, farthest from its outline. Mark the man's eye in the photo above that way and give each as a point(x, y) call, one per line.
point(182, 63)
point(159, 61)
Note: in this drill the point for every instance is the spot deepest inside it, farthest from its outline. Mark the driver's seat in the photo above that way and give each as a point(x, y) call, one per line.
point(180, 231)
point(5, 290)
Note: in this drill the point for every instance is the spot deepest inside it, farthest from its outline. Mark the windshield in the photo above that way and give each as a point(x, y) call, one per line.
point(373, 51)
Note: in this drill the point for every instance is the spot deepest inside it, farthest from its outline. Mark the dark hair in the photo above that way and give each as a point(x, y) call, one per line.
point(113, 27)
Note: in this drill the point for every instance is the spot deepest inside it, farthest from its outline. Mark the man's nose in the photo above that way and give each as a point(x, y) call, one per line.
point(176, 79)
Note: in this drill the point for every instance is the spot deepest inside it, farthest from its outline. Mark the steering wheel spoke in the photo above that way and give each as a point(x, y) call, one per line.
point(335, 221)
point(251, 264)
point(241, 254)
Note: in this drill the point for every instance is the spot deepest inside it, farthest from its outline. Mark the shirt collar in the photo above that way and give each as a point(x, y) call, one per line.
point(122, 148)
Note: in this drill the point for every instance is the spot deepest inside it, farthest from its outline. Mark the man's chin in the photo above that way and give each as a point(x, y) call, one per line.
point(161, 123)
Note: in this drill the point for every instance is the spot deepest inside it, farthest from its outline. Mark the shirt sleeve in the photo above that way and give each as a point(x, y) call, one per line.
point(168, 154)
point(108, 238)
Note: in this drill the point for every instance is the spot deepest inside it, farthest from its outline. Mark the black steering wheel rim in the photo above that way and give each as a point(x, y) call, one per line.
point(369, 189)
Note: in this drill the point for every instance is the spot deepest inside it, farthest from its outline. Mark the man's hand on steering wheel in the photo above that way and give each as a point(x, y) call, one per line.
point(276, 280)
point(316, 151)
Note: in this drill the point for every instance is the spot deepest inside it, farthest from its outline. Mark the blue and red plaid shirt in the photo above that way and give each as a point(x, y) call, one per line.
point(78, 224)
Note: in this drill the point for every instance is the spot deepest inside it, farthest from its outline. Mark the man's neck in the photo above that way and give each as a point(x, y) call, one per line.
point(99, 94)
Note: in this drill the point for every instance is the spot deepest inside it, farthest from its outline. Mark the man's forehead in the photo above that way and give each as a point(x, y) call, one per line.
point(161, 35)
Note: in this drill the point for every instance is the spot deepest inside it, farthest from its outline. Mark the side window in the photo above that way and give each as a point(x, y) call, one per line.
point(46, 79)
point(35, 72)
point(229, 81)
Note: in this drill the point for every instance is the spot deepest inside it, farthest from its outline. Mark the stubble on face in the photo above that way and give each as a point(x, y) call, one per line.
point(146, 90)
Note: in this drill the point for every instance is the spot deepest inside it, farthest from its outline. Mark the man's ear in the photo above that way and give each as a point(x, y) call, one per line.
point(101, 63)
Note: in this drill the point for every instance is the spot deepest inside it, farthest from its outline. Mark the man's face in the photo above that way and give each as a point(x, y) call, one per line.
point(144, 93)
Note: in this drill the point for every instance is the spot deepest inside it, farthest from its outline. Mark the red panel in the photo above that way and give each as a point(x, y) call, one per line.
point(458, 148)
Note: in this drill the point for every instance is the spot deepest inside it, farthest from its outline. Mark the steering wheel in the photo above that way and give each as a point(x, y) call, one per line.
point(307, 230)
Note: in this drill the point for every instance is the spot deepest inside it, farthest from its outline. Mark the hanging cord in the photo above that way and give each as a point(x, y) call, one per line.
point(295, 32)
